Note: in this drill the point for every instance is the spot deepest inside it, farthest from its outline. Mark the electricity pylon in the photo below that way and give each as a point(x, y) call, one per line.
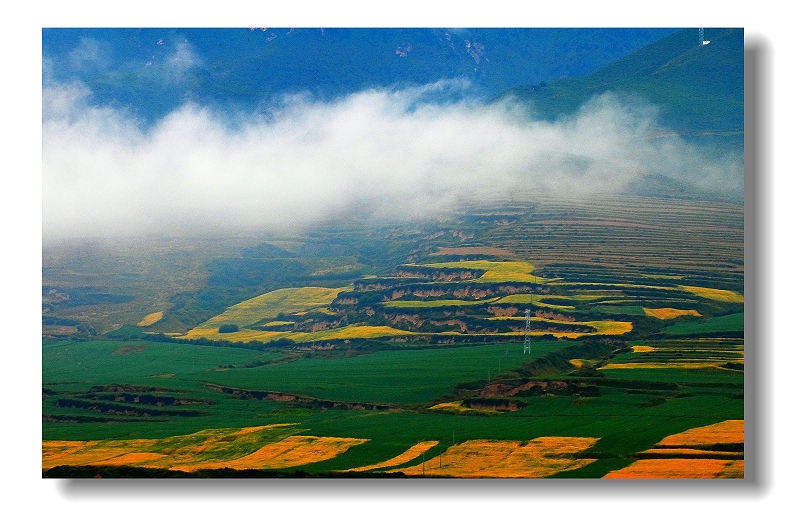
point(526, 346)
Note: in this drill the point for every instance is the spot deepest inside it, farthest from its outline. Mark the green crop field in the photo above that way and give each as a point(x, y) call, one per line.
point(407, 380)
point(394, 377)
point(728, 323)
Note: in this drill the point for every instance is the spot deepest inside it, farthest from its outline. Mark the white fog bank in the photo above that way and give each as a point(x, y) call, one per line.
point(384, 151)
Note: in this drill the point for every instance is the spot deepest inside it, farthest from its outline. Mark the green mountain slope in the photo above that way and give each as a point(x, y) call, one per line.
point(699, 90)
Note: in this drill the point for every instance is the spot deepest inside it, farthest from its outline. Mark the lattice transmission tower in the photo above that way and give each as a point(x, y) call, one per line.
point(526, 346)
point(701, 38)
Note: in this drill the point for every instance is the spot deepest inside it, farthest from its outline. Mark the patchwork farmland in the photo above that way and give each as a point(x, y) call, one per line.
point(355, 350)
point(396, 253)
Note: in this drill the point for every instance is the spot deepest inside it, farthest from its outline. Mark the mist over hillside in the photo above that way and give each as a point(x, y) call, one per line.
point(415, 149)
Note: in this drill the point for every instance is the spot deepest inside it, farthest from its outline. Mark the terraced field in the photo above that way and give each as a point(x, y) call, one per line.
point(628, 237)
point(697, 353)
point(425, 300)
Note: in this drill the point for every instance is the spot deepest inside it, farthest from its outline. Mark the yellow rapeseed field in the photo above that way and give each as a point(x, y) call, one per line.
point(537, 458)
point(450, 405)
point(412, 453)
point(689, 452)
point(341, 333)
point(682, 358)
point(662, 276)
point(734, 469)
point(717, 464)
point(495, 271)
point(680, 468)
point(293, 451)
point(242, 335)
point(267, 446)
point(602, 327)
point(620, 285)
point(610, 327)
point(457, 406)
point(668, 364)
point(132, 459)
point(668, 313)
point(278, 323)
point(536, 299)
point(730, 431)
point(715, 294)
point(78, 453)
point(399, 304)
point(270, 304)
point(151, 319)
point(350, 332)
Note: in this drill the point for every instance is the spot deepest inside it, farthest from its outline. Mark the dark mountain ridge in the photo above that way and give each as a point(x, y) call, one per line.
point(152, 71)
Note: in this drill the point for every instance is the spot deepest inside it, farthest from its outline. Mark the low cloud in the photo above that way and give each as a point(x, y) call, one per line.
point(384, 153)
